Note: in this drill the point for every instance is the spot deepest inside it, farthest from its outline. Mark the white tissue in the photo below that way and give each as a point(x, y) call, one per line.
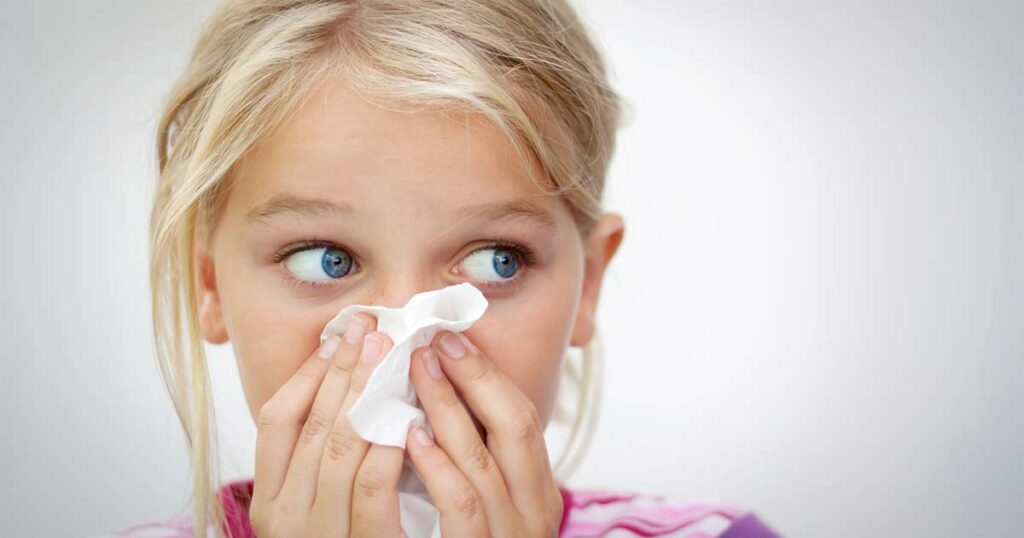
point(388, 406)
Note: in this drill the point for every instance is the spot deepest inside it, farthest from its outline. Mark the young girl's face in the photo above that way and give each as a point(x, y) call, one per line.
point(396, 203)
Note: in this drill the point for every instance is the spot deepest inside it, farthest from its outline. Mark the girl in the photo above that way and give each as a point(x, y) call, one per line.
point(322, 153)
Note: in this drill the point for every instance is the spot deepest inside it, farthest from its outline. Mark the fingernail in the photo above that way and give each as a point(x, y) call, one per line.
point(421, 436)
point(452, 346)
point(328, 347)
point(470, 347)
point(355, 331)
point(371, 347)
point(433, 367)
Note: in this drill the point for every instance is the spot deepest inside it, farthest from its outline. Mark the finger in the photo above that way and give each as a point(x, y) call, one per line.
point(460, 506)
point(301, 482)
point(375, 492)
point(345, 449)
point(515, 435)
point(280, 421)
point(461, 509)
point(455, 432)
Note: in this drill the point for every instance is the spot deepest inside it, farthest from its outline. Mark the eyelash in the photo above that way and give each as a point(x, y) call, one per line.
point(524, 253)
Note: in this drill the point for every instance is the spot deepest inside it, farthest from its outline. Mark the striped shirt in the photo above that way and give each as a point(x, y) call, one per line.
point(586, 513)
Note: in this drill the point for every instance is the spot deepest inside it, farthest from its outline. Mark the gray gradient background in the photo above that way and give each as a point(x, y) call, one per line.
point(817, 310)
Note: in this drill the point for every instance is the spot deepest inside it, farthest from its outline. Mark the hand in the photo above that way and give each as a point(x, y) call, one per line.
point(314, 475)
point(503, 488)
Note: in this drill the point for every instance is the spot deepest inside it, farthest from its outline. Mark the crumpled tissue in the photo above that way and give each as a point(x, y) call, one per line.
point(388, 406)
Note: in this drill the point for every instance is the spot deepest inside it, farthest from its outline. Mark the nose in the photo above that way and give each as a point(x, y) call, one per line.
point(395, 292)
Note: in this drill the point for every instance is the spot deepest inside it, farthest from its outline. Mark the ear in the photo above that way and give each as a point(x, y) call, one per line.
point(602, 244)
point(211, 317)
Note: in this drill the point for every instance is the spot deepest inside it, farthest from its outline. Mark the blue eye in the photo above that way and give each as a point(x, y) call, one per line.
point(311, 264)
point(501, 261)
point(317, 264)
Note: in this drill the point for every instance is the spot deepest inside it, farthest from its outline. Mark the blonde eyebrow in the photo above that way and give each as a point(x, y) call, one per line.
point(298, 205)
point(316, 207)
point(523, 209)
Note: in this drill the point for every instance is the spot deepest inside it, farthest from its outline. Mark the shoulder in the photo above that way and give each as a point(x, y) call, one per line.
point(606, 512)
point(175, 527)
point(233, 496)
point(586, 512)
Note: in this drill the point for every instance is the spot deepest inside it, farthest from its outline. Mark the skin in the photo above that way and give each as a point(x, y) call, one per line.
point(406, 176)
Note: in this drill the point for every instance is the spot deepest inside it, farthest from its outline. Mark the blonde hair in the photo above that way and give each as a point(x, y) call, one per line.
point(527, 65)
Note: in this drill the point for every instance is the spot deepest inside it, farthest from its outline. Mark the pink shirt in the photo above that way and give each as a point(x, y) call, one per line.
point(587, 512)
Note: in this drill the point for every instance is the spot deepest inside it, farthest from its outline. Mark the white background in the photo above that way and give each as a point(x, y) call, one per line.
point(817, 312)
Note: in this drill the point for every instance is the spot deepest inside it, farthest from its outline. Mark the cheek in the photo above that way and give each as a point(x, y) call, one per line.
point(270, 343)
point(527, 339)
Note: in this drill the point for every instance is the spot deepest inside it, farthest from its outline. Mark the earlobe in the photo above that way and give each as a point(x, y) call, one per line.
point(602, 244)
point(583, 330)
point(211, 317)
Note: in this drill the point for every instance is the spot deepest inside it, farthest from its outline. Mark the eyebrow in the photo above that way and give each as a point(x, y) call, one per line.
point(316, 207)
point(298, 205)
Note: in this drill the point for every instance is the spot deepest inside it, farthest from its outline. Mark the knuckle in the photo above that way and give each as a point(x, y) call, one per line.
point(480, 373)
point(360, 521)
point(534, 528)
point(449, 400)
point(356, 384)
point(368, 319)
point(266, 521)
point(466, 503)
point(370, 481)
point(316, 422)
point(478, 457)
point(526, 424)
point(256, 518)
point(263, 527)
point(269, 417)
point(542, 528)
point(557, 507)
point(308, 375)
point(355, 390)
point(341, 443)
point(342, 368)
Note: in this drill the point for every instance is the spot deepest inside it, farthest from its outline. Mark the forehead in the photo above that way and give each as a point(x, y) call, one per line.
point(379, 157)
